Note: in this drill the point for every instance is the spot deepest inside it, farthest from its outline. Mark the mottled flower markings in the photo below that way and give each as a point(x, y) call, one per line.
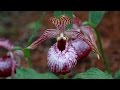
point(71, 46)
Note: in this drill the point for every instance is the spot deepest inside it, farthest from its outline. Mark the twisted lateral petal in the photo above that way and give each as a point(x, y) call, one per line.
point(76, 22)
point(6, 44)
point(74, 34)
point(62, 62)
point(49, 33)
point(90, 35)
point(87, 31)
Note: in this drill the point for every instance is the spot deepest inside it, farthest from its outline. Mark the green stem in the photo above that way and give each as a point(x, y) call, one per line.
point(37, 26)
point(27, 56)
point(29, 62)
point(102, 51)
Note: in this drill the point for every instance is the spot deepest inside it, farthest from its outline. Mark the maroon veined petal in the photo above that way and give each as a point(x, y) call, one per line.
point(76, 22)
point(74, 34)
point(62, 62)
point(86, 33)
point(82, 48)
point(60, 23)
point(6, 66)
point(4, 43)
point(49, 33)
point(89, 34)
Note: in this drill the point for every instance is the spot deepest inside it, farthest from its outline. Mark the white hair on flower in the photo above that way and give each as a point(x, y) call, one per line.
point(59, 60)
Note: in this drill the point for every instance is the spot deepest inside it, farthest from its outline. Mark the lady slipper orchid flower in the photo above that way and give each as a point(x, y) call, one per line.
point(60, 60)
point(88, 33)
point(7, 62)
point(71, 45)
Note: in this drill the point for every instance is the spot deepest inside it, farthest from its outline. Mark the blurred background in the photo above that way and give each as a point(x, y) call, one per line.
point(18, 26)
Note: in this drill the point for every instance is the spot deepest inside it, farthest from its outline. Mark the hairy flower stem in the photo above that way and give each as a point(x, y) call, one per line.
point(101, 50)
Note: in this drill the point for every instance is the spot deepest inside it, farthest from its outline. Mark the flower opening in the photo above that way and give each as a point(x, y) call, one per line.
point(62, 62)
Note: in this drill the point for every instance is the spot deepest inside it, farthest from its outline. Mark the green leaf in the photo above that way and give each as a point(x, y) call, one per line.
point(29, 73)
point(58, 14)
point(95, 17)
point(36, 28)
point(93, 73)
point(69, 27)
point(69, 14)
point(117, 75)
point(85, 23)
